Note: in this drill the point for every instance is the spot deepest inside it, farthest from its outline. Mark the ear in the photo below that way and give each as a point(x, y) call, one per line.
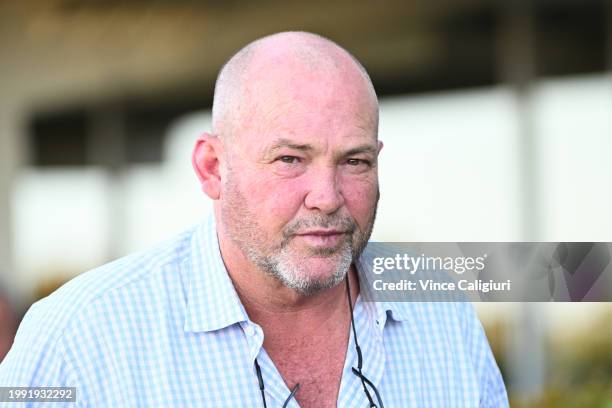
point(205, 161)
point(380, 146)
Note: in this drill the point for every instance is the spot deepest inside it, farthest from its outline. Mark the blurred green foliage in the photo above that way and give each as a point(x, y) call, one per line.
point(579, 369)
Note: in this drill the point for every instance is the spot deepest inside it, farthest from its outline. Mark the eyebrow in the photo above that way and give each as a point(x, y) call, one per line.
point(361, 149)
point(280, 143)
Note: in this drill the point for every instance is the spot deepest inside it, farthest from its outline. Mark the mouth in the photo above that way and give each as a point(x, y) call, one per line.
point(322, 237)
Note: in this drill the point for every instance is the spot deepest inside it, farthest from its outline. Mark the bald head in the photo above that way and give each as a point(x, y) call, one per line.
point(280, 66)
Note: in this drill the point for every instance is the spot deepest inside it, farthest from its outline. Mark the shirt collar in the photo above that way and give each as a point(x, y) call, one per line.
point(399, 311)
point(212, 301)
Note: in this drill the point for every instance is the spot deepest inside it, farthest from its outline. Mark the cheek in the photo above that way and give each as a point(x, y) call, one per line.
point(275, 201)
point(360, 198)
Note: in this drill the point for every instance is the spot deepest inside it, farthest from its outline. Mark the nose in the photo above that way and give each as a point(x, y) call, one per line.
point(325, 193)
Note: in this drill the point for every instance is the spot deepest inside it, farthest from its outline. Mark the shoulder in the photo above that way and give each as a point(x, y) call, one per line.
point(91, 302)
point(450, 335)
point(138, 270)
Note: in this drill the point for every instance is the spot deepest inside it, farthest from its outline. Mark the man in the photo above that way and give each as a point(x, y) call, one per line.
point(261, 306)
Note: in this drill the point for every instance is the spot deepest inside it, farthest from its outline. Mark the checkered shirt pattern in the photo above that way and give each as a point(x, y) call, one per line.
point(166, 328)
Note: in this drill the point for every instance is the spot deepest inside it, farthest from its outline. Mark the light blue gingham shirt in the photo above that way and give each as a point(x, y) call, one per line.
point(165, 328)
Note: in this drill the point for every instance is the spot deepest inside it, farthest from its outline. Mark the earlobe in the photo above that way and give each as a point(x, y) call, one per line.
point(205, 161)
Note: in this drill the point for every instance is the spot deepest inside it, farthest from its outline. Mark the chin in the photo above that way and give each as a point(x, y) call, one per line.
point(312, 275)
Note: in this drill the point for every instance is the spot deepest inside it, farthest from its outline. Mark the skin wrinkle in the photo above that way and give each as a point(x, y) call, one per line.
point(268, 153)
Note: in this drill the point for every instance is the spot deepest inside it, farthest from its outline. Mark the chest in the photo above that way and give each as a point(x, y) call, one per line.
point(316, 364)
point(203, 371)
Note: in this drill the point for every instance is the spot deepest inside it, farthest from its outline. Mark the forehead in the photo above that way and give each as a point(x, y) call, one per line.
point(309, 106)
point(318, 124)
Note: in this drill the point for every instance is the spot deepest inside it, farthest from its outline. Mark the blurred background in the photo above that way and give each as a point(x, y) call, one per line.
point(496, 118)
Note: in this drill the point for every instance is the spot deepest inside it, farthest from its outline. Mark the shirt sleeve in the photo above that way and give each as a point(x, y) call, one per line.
point(37, 357)
point(492, 388)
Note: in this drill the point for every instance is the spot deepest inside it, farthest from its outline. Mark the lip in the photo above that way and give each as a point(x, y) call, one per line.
point(322, 238)
point(322, 232)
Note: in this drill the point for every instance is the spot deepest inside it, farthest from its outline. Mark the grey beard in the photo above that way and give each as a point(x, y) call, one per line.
point(290, 276)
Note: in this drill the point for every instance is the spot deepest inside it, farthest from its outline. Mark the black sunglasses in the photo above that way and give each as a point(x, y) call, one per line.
point(357, 371)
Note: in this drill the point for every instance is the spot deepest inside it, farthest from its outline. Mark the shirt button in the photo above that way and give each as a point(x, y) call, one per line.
point(248, 329)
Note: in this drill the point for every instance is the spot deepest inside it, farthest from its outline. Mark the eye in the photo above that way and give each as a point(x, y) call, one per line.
point(357, 162)
point(289, 159)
